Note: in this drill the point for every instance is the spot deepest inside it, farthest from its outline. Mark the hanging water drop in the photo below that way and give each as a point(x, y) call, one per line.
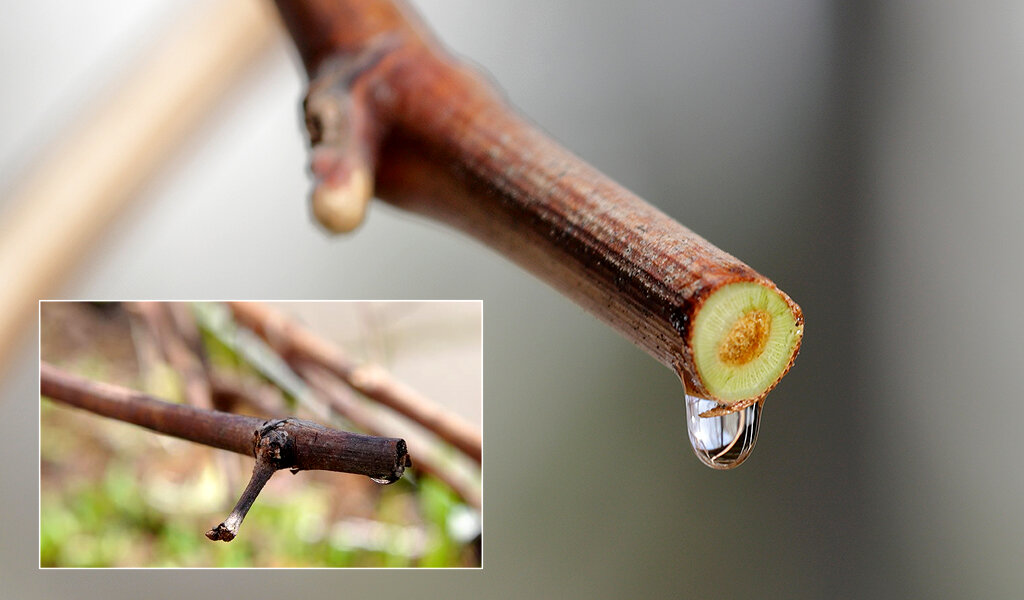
point(721, 442)
point(384, 480)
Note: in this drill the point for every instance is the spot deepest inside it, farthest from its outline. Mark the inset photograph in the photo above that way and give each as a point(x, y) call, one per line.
point(261, 434)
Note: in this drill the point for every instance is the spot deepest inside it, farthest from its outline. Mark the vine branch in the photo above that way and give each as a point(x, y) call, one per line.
point(278, 444)
point(390, 112)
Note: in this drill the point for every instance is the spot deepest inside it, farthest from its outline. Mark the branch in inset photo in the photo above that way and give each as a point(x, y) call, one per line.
point(176, 349)
point(281, 444)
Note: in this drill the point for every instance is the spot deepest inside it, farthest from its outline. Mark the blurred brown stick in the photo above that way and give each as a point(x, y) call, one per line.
point(177, 337)
point(99, 165)
point(229, 390)
point(176, 350)
point(390, 111)
point(337, 396)
point(292, 341)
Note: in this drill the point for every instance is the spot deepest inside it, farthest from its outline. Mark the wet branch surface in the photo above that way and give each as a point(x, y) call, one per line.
point(278, 444)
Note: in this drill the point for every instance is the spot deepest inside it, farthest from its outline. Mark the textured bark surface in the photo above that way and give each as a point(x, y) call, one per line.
point(338, 397)
point(447, 146)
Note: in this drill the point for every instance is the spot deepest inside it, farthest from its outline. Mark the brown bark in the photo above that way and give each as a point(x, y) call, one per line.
point(314, 446)
point(447, 146)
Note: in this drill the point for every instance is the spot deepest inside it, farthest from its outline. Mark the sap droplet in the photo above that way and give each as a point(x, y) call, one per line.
point(721, 442)
point(387, 480)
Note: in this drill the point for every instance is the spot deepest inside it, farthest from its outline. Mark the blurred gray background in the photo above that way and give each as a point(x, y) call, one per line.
point(866, 156)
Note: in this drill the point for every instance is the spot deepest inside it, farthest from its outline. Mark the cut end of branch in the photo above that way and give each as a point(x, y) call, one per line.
point(745, 337)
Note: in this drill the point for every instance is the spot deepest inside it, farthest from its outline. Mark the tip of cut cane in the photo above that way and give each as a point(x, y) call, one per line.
point(341, 206)
point(221, 533)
